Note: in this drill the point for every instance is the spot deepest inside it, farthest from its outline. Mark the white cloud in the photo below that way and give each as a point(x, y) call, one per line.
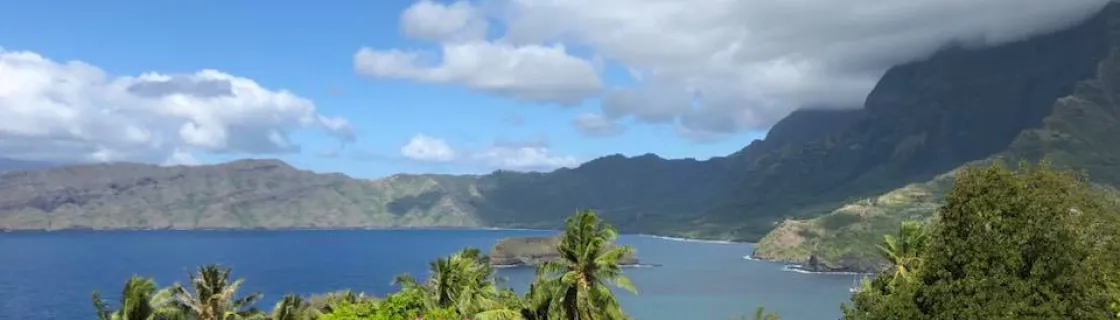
point(425, 148)
point(512, 155)
point(721, 66)
point(459, 21)
point(532, 72)
point(596, 125)
point(537, 73)
point(523, 158)
point(180, 157)
point(73, 111)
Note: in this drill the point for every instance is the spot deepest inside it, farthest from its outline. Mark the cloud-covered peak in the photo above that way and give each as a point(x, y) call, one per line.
point(711, 68)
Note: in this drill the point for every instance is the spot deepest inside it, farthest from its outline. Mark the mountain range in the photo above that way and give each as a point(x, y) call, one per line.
point(820, 178)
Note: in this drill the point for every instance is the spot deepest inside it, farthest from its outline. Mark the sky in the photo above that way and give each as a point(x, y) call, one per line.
point(377, 87)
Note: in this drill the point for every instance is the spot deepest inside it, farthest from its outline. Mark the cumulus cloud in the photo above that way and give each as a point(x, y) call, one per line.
point(459, 21)
point(538, 73)
point(721, 66)
point(531, 155)
point(74, 111)
point(533, 158)
point(596, 125)
point(425, 148)
point(534, 72)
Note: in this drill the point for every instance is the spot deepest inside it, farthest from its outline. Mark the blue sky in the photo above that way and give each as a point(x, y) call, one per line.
point(308, 49)
point(389, 86)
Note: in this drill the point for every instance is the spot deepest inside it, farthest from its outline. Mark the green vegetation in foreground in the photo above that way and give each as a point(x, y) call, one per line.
point(461, 286)
point(1033, 243)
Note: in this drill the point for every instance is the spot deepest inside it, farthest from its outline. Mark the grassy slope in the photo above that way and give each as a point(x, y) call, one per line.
point(1081, 134)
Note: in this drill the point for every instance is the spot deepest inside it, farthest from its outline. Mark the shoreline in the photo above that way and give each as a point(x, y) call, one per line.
point(787, 265)
point(515, 266)
point(694, 240)
point(790, 266)
point(648, 235)
point(272, 229)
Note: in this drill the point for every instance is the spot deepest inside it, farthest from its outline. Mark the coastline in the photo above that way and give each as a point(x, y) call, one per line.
point(789, 266)
point(514, 266)
point(429, 228)
point(696, 240)
point(796, 267)
point(398, 228)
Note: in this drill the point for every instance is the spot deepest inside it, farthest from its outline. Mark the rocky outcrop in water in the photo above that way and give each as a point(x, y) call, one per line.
point(531, 251)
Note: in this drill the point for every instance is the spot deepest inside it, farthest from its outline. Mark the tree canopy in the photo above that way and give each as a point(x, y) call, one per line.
point(1028, 243)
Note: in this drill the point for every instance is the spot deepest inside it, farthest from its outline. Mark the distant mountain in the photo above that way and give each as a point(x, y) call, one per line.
point(239, 194)
point(1079, 132)
point(923, 119)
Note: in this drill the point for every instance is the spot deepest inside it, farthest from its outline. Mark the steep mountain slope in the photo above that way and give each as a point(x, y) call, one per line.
point(922, 119)
point(1081, 132)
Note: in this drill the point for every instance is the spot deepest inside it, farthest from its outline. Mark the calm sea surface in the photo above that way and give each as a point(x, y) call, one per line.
point(47, 276)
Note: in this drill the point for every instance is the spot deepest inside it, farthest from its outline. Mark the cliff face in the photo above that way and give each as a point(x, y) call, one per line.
point(922, 119)
point(1078, 131)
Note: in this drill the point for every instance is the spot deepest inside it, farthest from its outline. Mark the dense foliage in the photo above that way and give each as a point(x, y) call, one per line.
point(1031, 243)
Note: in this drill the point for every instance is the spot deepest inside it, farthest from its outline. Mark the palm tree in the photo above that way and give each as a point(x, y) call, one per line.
point(537, 304)
point(761, 314)
point(464, 281)
point(541, 302)
point(292, 307)
point(214, 296)
point(902, 250)
point(327, 303)
point(588, 264)
point(140, 300)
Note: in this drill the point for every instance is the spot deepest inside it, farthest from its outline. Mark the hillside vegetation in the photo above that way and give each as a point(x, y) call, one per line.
point(1080, 133)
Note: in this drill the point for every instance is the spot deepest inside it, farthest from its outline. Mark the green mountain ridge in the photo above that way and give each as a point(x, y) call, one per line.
point(1079, 133)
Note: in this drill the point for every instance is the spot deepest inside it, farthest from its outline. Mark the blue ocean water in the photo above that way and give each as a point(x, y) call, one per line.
point(48, 276)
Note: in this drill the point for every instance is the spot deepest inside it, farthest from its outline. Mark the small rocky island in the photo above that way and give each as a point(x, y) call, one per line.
point(531, 251)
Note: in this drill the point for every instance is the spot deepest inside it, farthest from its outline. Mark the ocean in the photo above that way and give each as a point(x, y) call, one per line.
point(49, 275)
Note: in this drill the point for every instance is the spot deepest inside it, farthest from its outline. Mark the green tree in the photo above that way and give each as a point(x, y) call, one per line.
point(326, 303)
point(292, 307)
point(902, 250)
point(1032, 243)
point(539, 303)
point(463, 281)
point(140, 300)
point(588, 264)
point(214, 296)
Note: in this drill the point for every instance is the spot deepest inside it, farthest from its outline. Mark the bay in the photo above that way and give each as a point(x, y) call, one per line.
point(49, 275)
